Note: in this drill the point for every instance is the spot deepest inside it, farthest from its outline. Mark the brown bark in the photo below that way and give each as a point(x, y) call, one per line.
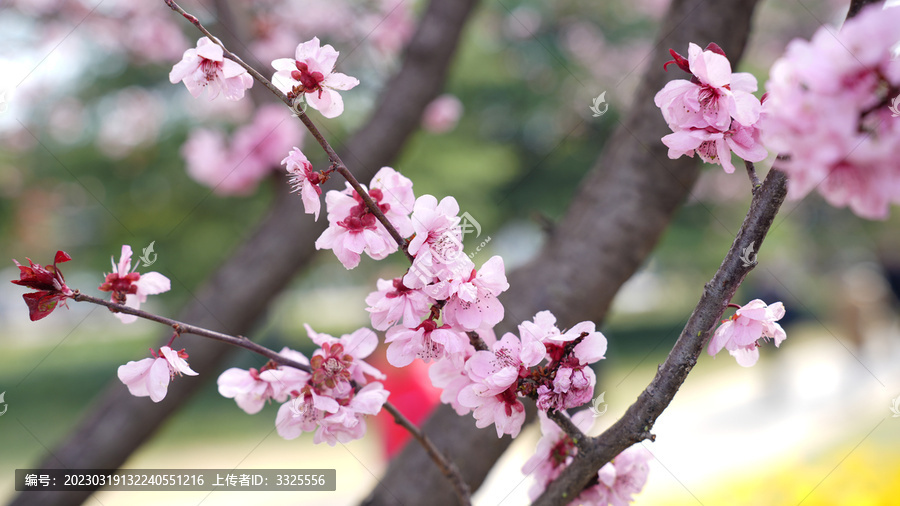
point(238, 293)
point(637, 422)
point(624, 205)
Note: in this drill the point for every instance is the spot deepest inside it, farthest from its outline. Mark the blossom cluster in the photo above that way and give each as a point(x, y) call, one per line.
point(714, 113)
point(331, 401)
point(617, 481)
point(434, 310)
point(833, 108)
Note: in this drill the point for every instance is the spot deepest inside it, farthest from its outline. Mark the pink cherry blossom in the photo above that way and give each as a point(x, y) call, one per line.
point(437, 279)
point(554, 452)
point(249, 388)
point(311, 72)
point(442, 114)
point(304, 181)
point(354, 348)
point(620, 479)
point(449, 374)
point(713, 98)
point(474, 303)
point(740, 333)
point(132, 288)
point(252, 388)
point(542, 327)
point(259, 147)
point(397, 198)
point(151, 376)
point(570, 382)
point(395, 304)
point(303, 413)
point(828, 111)
point(592, 347)
point(348, 422)
point(394, 24)
point(571, 387)
point(208, 161)
point(495, 373)
point(326, 402)
point(437, 247)
point(353, 229)
point(431, 221)
point(235, 166)
point(206, 67)
point(427, 342)
point(716, 147)
point(714, 113)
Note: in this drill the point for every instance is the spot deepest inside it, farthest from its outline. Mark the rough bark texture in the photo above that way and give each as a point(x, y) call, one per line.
point(638, 420)
point(624, 205)
point(238, 293)
point(858, 5)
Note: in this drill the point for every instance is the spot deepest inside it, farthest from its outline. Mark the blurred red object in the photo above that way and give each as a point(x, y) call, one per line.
point(412, 394)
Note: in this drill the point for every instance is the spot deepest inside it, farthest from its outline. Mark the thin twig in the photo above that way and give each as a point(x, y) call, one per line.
point(326, 146)
point(751, 171)
point(477, 342)
point(186, 328)
point(568, 426)
point(635, 425)
point(447, 467)
point(857, 5)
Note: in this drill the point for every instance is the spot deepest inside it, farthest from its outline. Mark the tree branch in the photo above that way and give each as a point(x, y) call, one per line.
point(565, 423)
point(622, 208)
point(751, 173)
point(638, 420)
point(186, 328)
point(326, 146)
point(116, 423)
point(857, 5)
point(447, 468)
point(635, 424)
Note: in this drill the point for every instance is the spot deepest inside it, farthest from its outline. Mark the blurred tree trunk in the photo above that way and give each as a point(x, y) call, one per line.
point(624, 205)
point(238, 293)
